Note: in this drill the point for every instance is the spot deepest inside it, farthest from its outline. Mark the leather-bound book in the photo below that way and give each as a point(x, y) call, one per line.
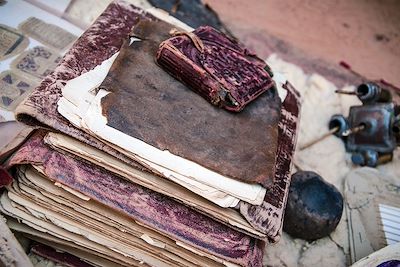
point(216, 67)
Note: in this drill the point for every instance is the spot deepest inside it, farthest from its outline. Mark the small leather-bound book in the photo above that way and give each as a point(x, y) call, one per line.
point(216, 67)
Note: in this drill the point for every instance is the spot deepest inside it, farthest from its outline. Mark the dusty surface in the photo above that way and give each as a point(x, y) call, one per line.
point(366, 34)
point(328, 158)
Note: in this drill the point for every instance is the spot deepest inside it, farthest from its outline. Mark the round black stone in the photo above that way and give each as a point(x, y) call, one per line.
point(314, 207)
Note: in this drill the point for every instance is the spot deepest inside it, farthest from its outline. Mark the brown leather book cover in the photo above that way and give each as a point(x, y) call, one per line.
point(148, 104)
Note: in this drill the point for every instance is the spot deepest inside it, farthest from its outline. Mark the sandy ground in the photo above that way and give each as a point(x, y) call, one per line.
point(366, 34)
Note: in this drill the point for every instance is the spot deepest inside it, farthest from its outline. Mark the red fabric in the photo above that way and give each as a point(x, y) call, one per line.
point(5, 177)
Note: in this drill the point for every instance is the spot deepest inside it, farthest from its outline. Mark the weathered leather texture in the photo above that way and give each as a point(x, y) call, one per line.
point(268, 217)
point(147, 103)
point(216, 67)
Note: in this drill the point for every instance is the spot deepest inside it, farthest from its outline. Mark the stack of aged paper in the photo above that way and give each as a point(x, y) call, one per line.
point(77, 204)
point(134, 168)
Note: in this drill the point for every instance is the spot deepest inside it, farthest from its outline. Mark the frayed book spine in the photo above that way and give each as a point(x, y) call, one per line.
point(215, 67)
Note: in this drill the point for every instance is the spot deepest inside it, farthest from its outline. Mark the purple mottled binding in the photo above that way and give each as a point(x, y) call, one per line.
point(268, 217)
point(155, 210)
point(63, 258)
point(218, 69)
point(390, 263)
point(5, 177)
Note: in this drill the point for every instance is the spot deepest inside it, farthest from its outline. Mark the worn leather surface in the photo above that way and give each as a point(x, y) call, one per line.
point(268, 217)
point(148, 104)
point(216, 67)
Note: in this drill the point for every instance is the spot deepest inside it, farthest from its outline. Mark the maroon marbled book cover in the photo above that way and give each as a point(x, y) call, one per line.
point(152, 209)
point(63, 258)
point(216, 67)
point(268, 217)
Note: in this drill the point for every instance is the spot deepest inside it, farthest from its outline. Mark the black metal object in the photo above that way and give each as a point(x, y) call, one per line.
point(341, 123)
point(372, 130)
point(370, 93)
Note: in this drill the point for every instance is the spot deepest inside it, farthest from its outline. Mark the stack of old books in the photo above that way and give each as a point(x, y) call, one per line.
point(131, 167)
